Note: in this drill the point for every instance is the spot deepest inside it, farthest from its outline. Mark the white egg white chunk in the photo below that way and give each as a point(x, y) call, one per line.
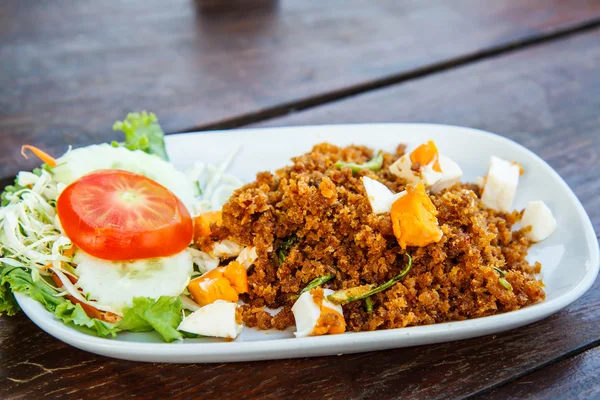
point(451, 174)
point(203, 260)
point(402, 169)
point(225, 249)
point(307, 312)
point(247, 257)
point(79, 162)
point(437, 181)
point(480, 181)
point(380, 197)
point(429, 176)
point(500, 184)
point(116, 283)
point(218, 319)
point(539, 217)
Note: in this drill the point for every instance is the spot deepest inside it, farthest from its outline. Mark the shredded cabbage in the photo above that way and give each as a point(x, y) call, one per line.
point(28, 232)
point(215, 185)
point(31, 238)
point(33, 244)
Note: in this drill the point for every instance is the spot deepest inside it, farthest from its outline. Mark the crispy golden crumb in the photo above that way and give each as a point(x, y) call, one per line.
point(322, 220)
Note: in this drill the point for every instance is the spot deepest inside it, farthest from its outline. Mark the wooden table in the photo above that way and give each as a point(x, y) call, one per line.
point(529, 70)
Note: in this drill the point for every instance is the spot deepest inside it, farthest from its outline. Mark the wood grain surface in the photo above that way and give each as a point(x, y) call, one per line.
point(573, 378)
point(71, 68)
point(544, 97)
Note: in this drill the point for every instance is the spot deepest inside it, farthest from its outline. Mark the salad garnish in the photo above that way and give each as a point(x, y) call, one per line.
point(101, 235)
point(142, 132)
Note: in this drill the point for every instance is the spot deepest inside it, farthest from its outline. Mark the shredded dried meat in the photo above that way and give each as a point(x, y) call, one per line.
point(319, 221)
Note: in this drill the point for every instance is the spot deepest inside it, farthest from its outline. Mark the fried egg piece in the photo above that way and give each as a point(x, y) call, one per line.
point(414, 218)
point(247, 256)
point(451, 174)
point(402, 168)
point(380, 197)
point(218, 319)
point(439, 174)
point(116, 283)
point(315, 315)
point(500, 185)
point(225, 249)
point(538, 216)
point(223, 283)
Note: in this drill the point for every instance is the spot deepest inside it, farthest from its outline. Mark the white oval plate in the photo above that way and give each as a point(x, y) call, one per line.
point(569, 257)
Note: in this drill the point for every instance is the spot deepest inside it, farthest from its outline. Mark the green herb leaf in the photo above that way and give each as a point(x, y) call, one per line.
point(348, 295)
point(285, 246)
point(505, 284)
point(142, 132)
point(502, 281)
point(369, 304)
point(146, 314)
point(374, 164)
point(317, 282)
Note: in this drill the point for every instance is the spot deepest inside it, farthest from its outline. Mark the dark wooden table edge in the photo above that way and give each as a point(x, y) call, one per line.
point(570, 354)
point(384, 82)
point(395, 79)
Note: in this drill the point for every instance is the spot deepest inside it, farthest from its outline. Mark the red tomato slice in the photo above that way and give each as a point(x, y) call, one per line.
point(119, 215)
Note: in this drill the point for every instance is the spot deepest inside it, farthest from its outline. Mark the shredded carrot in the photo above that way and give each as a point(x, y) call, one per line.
point(46, 267)
point(69, 252)
point(42, 155)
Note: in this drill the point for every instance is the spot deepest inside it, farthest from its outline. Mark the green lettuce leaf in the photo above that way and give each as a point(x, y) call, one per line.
point(74, 314)
point(142, 132)
point(19, 280)
point(162, 315)
point(8, 304)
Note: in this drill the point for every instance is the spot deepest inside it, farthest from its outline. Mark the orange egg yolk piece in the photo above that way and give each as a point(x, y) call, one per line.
point(330, 321)
point(414, 218)
point(223, 283)
point(204, 225)
point(425, 154)
point(235, 273)
point(203, 222)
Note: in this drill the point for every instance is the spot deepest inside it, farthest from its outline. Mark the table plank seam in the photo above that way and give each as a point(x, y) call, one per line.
point(391, 80)
point(570, 354)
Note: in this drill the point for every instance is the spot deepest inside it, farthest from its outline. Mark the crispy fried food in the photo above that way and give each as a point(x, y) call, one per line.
point(317, 219)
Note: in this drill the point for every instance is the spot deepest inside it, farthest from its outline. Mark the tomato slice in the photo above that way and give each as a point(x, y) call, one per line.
point(119, 215)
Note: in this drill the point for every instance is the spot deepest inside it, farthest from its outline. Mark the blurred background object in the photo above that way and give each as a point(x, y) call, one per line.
point(235, 5)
